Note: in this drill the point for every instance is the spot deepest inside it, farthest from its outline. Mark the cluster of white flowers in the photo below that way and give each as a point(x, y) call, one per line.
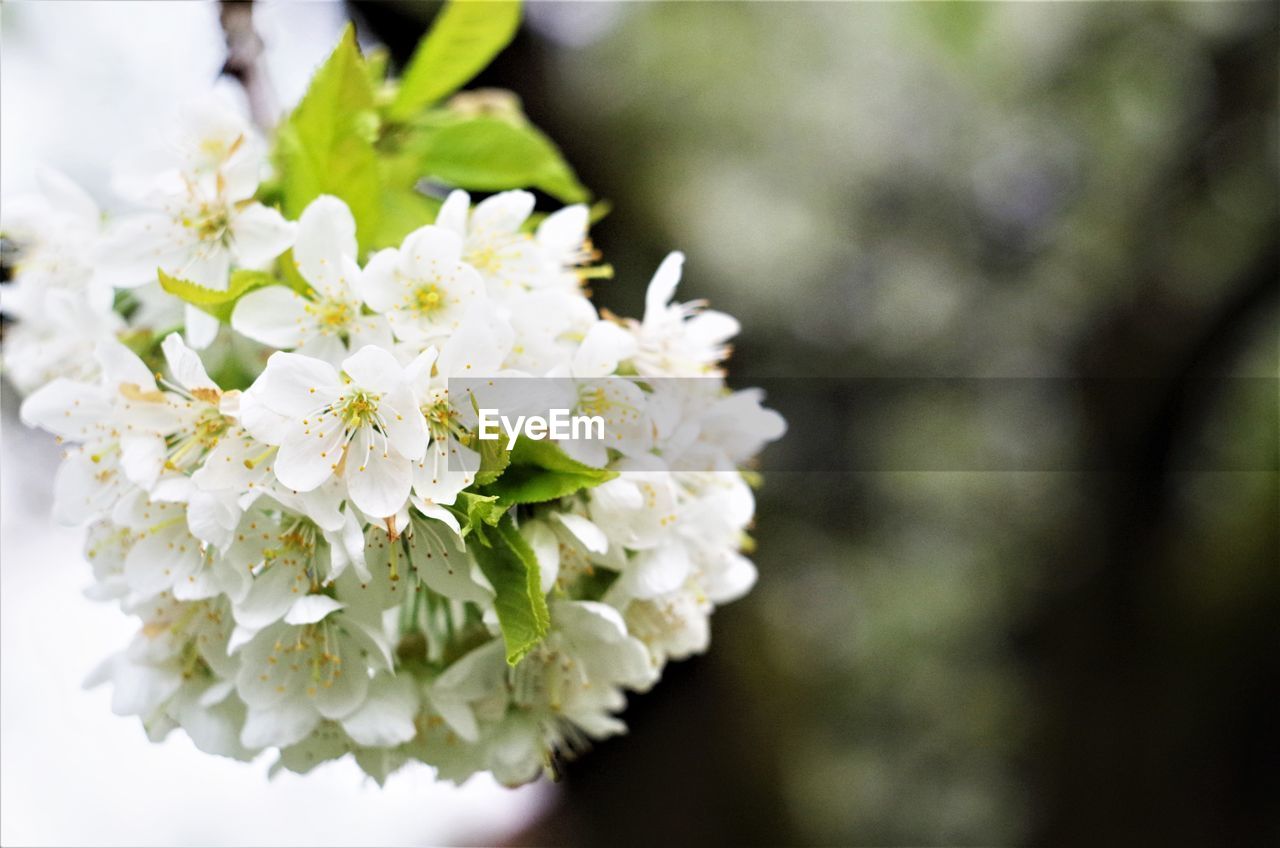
point(305, 555)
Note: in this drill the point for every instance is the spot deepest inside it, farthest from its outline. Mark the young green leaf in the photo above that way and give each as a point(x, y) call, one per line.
point(326, 145)
point(539, 472)
point(475, 511)
point(512, 569)
point(494, 459)
point(493, 154)
point(463, 40)
point(403, 211)
point(375, 65)
point(217, 303)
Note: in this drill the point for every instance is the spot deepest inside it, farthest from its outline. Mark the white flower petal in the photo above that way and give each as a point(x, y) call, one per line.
point(710, 327)
point(445, 471)
point(657, 571)
point(259, 234)
point(185, 365)
point(121, 365)
point(453, 212)
point(418, 374)
point(273, 315)
point(386, 717)
point(206, 264)
point(311, 608)
point(326, 233)
point(585, 531)
point(663, 286)
point(213, 518)
point(606, 344)
point(142, 458)
point(323, 505)
point(134, 247)
point(200, 327)
point(438, 513)
point(562, 232)
point(159, 560)
point(325, 347)
point(428, 251)
point(734, 578)
point(406, 428)
point(373, 368)
point(502, 213)
point(377, 478)
point(64, 195)
point(294, 385)
point(546, 549)
point(140, 689)
point(83, 489)
point(310, 453)
point(66, 408)
point(270, 596)
point(347, 691)
point(279, 726)
point(476, 348)
point(377, 284)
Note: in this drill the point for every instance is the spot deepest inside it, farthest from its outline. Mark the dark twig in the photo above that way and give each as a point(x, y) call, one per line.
point(245, 61)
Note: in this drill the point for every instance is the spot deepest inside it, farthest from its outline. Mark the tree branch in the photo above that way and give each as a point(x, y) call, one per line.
point(245, 61)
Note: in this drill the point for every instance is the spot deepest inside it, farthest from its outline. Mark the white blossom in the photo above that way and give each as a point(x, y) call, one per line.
point(327, 322)
point(424, 288)
point(512, 260)
point(62, 308)
point(362, 426)
point(323, 557)
point(678, 339)
point(201, 220)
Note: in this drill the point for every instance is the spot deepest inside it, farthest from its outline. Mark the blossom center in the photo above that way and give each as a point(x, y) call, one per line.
point(217, 149)
point(596, 400)
point(334, 313)
point(210, 427)
point(359, 409)
point(211, 223)
point(493, 252)
point(203, 436)
point(428, 298)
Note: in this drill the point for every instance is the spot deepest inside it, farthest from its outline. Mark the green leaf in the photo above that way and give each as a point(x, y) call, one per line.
point(217, 303)
point(403, 211)
point(494, 459)
point(326, 145)
point(493, 154)
point(475, 511)
point(540, 471)
point(375, 65)
point(512, 569)
point(462, 41)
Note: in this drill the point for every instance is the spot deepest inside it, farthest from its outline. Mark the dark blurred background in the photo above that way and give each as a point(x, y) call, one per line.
point(1010, 271)
point(1073, 638)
